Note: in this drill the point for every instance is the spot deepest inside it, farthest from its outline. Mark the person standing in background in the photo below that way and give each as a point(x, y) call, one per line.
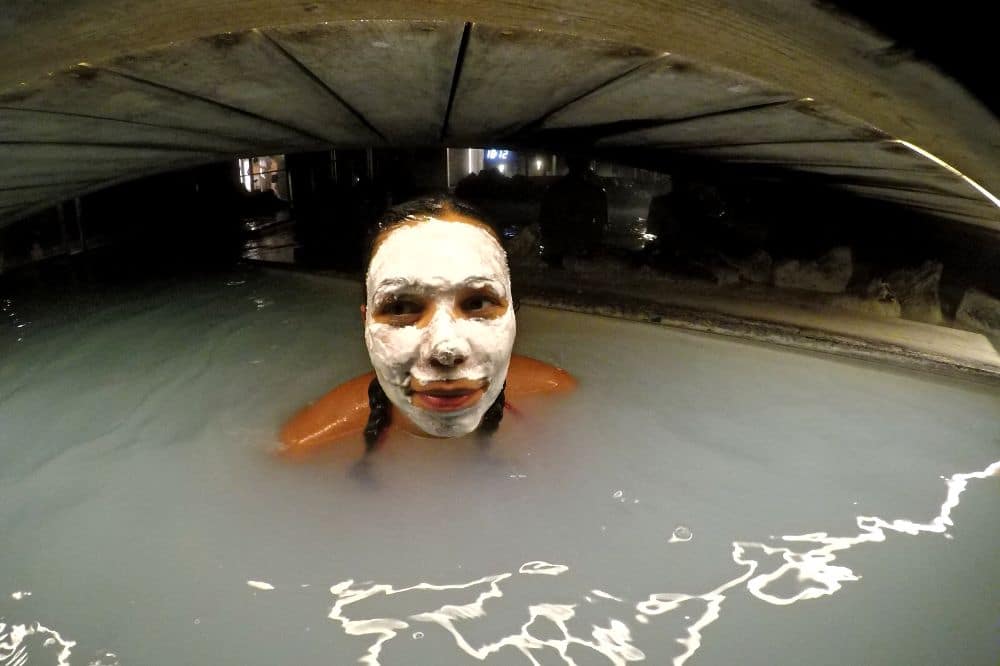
point(574, 214)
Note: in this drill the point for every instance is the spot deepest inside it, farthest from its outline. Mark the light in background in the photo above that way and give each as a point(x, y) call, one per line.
point(264, 173)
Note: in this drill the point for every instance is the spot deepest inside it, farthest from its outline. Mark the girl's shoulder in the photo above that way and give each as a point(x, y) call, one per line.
point(340, 413)
point(528, 375)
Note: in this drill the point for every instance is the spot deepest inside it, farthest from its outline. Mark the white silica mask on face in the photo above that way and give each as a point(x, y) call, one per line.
point(435, 260)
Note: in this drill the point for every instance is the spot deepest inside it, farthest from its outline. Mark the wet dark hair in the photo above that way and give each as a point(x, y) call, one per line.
point(445, 207)
point(442, 206)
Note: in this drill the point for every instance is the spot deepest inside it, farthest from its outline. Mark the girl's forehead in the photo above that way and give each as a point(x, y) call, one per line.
point(434, 249)
point(446, 215)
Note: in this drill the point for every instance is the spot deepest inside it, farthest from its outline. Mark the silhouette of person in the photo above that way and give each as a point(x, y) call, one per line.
point(574, 213)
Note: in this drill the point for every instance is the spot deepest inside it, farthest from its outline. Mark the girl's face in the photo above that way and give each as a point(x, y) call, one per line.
point(439, 325)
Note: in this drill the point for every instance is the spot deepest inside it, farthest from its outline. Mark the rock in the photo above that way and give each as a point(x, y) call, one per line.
point(525, 244)
point(830, 273)
point(917, 292)
point(878, 299)
point(611, 269)
point(758, 268)
point(725, 275)
point(979, 311)
point(719, 269)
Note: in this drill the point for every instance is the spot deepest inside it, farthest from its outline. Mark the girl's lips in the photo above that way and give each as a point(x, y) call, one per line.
point(440, 399)
point(453, 401)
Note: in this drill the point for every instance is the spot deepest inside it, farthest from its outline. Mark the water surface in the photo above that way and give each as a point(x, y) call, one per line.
point(699, 499)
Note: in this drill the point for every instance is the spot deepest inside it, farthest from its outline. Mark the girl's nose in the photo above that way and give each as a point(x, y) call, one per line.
point(448, 349)
point(447, 356)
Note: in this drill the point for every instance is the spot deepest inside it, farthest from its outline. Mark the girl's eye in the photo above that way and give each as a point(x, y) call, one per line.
point(402, 310)
point(402, 307)
point(474, 303)
point(479, 303)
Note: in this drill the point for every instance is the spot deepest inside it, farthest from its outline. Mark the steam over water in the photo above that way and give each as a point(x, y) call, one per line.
point(698, 500)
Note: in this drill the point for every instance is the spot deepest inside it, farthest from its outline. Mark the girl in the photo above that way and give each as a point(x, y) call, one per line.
point(439, 328)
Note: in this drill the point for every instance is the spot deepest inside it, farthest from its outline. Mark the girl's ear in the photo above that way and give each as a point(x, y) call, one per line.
point(364, 313)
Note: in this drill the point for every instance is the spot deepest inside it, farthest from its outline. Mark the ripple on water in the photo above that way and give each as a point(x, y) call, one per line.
point(812, 567)
point(681, 533)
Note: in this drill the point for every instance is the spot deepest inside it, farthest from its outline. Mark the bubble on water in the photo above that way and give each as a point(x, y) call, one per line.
point(417, 635)
point(20, 325)
point(661, 602)
point(197, 620)
point(20, 594)
point(260, 585)
point(604, 595)
point(617, 494)
point(543, 568)
point(681, 533)
point(642, 619)
point(104, 658)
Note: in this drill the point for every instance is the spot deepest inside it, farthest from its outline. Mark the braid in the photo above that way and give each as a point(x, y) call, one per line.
point(493, 416)
point(379, 415)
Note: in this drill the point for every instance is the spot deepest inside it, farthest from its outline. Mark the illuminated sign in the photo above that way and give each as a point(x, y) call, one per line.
point(497, 154)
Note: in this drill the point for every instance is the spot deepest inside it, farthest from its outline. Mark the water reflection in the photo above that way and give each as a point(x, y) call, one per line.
point(612, 641)
point(812, 569)
point(19, 642)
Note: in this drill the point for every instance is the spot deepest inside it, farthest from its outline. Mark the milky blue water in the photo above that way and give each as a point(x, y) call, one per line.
point(698, 500)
